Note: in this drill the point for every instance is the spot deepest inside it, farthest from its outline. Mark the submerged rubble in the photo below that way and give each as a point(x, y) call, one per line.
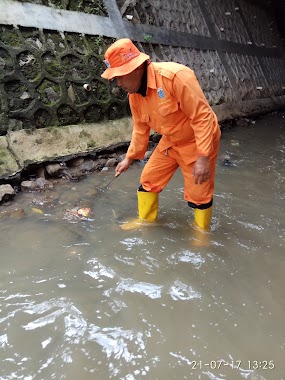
point(42, 178)
point(39, 178)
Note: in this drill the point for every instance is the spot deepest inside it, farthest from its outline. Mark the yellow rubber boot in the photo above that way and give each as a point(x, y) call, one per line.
point(202, 225)
point(203, 218)
point(147, 208)
point(147, 205)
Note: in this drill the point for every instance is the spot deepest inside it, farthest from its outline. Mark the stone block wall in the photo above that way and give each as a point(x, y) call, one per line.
point(42, 79)
point(50, 49)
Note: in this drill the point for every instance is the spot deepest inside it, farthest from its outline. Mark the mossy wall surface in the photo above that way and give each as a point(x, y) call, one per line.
point(96, 7)
point(43, 76)
point(233, 47)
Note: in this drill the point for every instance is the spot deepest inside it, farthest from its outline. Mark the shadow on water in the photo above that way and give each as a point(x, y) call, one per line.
point(81, 298)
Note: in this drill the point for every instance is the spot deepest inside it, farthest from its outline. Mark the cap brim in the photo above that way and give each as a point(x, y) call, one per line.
point(125, 69)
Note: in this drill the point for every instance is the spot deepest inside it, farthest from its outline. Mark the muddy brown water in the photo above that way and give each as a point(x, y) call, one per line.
point(83, 299)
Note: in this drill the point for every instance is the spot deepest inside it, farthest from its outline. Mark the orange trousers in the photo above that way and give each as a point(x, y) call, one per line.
point(162, 165)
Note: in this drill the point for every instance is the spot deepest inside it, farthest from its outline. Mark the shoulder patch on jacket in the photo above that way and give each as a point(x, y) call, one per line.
point(166, 73)
point(168, 69)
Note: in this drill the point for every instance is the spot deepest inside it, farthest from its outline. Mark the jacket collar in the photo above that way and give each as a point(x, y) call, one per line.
point(151, 81)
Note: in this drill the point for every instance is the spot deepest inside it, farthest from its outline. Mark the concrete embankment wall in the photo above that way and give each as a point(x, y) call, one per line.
point(48, 53)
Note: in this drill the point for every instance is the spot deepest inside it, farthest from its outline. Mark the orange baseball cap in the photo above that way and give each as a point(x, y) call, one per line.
point(121, 58)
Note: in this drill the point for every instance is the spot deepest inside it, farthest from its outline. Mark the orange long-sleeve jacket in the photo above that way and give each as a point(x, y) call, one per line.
point(175, 107)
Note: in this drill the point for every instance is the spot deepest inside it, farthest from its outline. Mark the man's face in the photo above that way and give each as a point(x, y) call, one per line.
point(130, 82)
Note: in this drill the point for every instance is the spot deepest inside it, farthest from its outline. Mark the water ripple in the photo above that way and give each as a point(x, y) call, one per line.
point(151, 290)
point(187, 256)
point(180, 291)
point(99, 270)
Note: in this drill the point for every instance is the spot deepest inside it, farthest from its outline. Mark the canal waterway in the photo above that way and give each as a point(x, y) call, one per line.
point(85, 299)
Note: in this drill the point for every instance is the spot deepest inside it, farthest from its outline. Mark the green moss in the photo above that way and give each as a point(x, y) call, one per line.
point(55, 132)
point(10, 37)
point(84, 134)
point(147, 37)
point(3, 153)
point(29, 131)
point(39, 141)
point(91, 144)
point(53, 68)
point(48, 84)
point(99, 41)
point(43, 91)
point(37, 77)
point(23, 88)
point(98, 45)
point(96, 7)
point(102, 92)
point(69, 144)
point(111, 135)
point(9, 64)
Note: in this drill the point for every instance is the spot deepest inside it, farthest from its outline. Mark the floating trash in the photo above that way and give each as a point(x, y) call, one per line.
point(77, 213)
point(85, 211)
point(37, 210)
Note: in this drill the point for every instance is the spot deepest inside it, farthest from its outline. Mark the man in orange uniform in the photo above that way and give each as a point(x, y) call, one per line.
point(167, 98)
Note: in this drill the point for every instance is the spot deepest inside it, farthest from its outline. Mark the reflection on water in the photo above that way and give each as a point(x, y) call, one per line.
point(81, 298)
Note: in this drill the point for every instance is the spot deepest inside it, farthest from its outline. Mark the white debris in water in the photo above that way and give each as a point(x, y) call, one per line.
point(131, 242)
point(3, 340)
point(75, 327)
point(18, 295)
point(221, 195)
point(251, 225)
point(99, 270)
point(180, 291)
point(67, 358)
point(172, 226)
point(187, 256)
point(46, 342)
point(61, 285)
point(38, 309)
point(40, 322)
point(183, 358)
point(46, 364)
point(61, 304)
point(125, 260)
point(212, 376)
point(117, 305)
point(128, 285)
point(114, 341)
point(39, 281)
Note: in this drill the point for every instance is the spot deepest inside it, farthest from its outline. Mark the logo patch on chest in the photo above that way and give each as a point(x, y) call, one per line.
point(160, 92)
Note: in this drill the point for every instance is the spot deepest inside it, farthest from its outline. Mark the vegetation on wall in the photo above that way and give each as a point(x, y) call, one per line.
point(43, 75)
point(96, 7)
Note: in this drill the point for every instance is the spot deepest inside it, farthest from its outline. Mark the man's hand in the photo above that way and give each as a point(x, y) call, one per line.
point(201, 170)
point(123, 165)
